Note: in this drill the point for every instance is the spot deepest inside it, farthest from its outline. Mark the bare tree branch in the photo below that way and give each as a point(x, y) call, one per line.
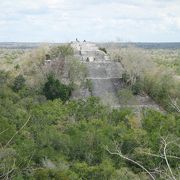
point(165, 156)
point(174, 104)
point(4, 131)
point(17, 132)
point(131, 160)
point(160, 156)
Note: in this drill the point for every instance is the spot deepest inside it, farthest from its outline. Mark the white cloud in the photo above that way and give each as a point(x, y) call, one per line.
point(100, 20)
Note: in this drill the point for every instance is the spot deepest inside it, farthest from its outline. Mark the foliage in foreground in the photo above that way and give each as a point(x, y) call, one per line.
point(43, 139)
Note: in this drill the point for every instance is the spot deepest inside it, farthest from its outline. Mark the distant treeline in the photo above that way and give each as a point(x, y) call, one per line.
point(23, 45)
point(148, 45)
point(171, 45)
point(154, 45)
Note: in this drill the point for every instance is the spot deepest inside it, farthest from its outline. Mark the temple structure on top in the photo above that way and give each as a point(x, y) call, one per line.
point(88, 51)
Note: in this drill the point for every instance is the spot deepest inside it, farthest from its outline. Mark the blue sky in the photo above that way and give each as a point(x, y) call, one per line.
point(93, 20)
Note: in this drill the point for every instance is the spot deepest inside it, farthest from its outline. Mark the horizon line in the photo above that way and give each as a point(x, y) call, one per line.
point(49, 42)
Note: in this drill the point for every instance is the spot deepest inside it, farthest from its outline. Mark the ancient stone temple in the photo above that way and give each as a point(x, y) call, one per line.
point(104, 74)
point(88, 51)
point(106, 77)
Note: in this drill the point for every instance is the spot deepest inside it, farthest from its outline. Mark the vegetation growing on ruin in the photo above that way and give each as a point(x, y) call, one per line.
point(103, 49)
point(145, 74)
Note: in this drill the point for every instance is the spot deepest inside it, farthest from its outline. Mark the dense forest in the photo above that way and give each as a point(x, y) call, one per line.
point(46, 134)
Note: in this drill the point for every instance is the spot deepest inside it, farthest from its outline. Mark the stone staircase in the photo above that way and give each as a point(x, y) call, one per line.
point(104, 74)
point(106, 80)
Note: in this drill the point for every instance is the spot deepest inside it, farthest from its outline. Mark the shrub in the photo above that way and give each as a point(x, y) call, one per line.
point(54, 89)
point(55, 174)
point(17, 66)
point(61, 51)
point(6, 130)
point(103, 49)
point(137, 88)
point(19, 83)
point(125, 77)
point(126, 97)
point(3, 77)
